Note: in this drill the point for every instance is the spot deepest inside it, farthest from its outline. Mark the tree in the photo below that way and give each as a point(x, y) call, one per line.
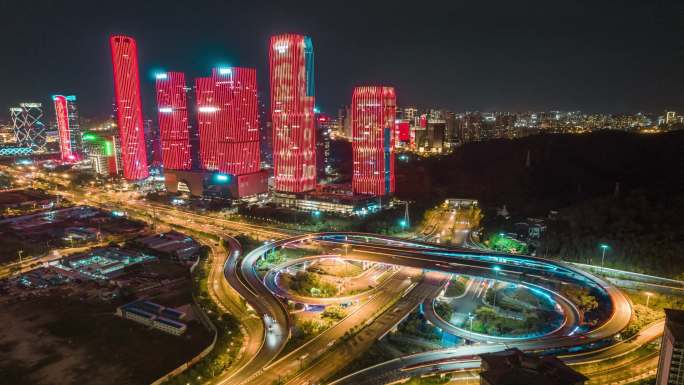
point(581, 297)
point(486, 314)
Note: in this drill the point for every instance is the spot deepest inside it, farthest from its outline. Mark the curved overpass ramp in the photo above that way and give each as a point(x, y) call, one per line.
point(388, 250)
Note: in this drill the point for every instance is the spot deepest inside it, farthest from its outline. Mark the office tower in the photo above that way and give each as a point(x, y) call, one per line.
point(103, 151)
point(522, 368)
point(373, 116)
point(671, 362)
point(292, 112)
point(128, 107)
point(403, 130)
point(66, 112)
point(28, 127)
point(174, 128)
point(228, 121)
point(324, 133)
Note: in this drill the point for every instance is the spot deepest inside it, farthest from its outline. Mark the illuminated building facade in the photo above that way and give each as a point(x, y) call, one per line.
point(228, 121)
point(103, 152)
point(28, 126)
point(671, 361)
point(373, 120)
point(69, 129)
point(174, 128)
point(292, 112)
point(128, 107)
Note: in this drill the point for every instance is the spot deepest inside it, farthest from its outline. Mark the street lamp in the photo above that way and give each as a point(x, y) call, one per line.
point(603, 254)
point(496, 271)
point(648, 297)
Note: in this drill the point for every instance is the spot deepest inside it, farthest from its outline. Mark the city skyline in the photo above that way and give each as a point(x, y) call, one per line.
point(622, 68)
point(342, 193)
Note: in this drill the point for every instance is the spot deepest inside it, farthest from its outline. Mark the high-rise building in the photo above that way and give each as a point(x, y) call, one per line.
point(324, 133)
point(28, 126)
point(292, 112)
point(228, 121)
point(373, 117)
point(174, 127)
point(128, 107)
point(671, 362)
point(66, 113)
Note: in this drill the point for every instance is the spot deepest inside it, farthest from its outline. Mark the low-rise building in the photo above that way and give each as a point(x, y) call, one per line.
point(330, 202)
point(154, 315)
point(173, 243)
point(103, 263)
point(513, 367)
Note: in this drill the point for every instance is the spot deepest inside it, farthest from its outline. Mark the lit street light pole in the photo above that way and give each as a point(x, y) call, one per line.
point(648, 297)
point(603, 254)
point(496, 271)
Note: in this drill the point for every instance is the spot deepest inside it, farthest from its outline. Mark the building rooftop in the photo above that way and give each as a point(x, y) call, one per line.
point(513, 367)
point(18, 196)
point(674, 322)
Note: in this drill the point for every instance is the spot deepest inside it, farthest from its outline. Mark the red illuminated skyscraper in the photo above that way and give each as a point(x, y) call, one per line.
point(174, 131)
point(68, 126)
point(292, 115)
point(373, 115)
point(228, 121)
point(128, 108)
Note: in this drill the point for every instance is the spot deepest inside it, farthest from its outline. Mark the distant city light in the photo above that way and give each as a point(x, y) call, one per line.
point(207, 109)
point(161, 75)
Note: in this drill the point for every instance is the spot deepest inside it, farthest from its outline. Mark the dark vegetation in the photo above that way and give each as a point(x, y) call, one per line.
point(622, 189)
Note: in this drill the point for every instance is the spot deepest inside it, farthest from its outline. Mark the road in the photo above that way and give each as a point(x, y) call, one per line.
point(475, 293)
point(264, 368)
point(341, 354)
point(270, 280)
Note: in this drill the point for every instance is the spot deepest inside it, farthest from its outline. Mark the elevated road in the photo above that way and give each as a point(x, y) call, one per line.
point(366, 247)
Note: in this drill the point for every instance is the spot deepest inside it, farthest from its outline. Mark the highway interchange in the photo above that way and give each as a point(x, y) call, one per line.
point(422, 271)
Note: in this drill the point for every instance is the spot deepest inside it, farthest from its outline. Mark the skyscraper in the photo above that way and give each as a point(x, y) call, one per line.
point(70, 141)
point(227, 114)
point(174, 128)
point(292, 112)
point(671, 362)
point(128, 107)
point(28, 127)
point(373, 116)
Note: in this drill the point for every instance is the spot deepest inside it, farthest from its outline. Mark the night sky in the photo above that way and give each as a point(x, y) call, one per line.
point(597, 56)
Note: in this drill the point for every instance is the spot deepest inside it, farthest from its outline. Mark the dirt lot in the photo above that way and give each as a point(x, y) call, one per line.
point(53, 340)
